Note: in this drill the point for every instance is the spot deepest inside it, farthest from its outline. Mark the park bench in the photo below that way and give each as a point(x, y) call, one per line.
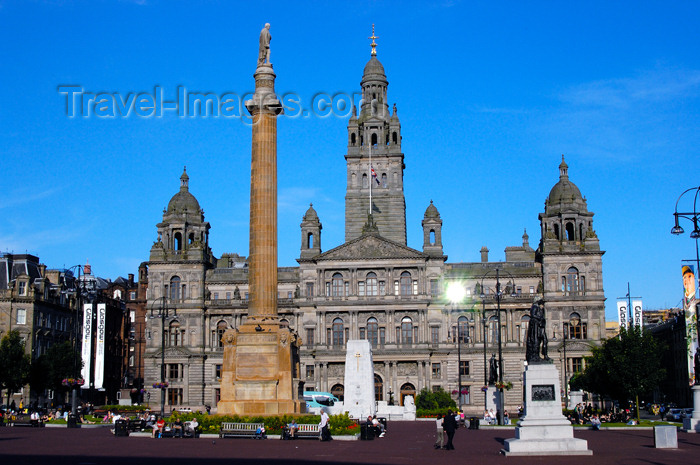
point(136, 425)
point(23, 420)
point(239, 430)
point(308, 431)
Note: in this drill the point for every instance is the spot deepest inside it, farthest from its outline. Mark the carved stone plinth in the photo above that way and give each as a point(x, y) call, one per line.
point(258, 372)
point(692, 424)
point(544, 430)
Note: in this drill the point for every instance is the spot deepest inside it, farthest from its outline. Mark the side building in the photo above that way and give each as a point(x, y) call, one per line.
point(375, 287)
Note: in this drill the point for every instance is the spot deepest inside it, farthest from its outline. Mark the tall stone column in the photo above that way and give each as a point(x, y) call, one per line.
point(260, 358)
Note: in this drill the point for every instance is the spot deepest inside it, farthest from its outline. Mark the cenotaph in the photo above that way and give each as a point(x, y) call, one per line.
point(260, 366)
point(359, 398)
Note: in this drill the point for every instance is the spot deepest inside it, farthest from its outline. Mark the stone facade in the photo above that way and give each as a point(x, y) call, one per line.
point(377, 288)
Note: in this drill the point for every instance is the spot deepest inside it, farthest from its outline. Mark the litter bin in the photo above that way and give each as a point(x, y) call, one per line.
point(73, 421)
point(366, 432)
point(121, 428)
point(473, 423)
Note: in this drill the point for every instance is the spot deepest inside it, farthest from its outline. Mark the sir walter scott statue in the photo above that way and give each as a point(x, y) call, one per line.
point(537, 335)
point(264, 52)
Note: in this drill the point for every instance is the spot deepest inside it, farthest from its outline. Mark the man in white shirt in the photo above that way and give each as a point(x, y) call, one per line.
point(323, 427)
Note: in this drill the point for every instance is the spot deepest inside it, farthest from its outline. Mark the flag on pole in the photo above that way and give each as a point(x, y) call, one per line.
point(374, 175)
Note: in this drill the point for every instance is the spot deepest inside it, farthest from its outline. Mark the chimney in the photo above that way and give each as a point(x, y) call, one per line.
point(484, 254)
point(42, 270)
point(131, 280)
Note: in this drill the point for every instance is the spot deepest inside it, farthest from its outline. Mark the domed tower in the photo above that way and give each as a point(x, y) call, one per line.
point(181, 248)
point(571, 262)
point(374, 160)
point(310, 234)
point(432, 231)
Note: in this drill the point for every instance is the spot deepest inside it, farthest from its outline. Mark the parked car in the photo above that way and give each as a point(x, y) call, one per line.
point(674, 414)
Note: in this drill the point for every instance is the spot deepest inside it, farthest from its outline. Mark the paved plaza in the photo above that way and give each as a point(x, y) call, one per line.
point(405, 443)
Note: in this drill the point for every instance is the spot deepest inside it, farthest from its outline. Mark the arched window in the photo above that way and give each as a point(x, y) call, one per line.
point(576, 329)
point(175, 336)
point(395, 138)
point(175, 288)
point(432, 237)
point(405, 283)
point(572, 280)
point(221, 328)
point(338, 330)
point(178, 241)
point(463, 329)
point(353, 180)
point(384, 180)
point(570, 232)
point(378, 388)
point(353, 138)
point(191, 238)
point(309, 240)
point(372, 283)
point(337, 285)
point(524, 323)
point(374, 139)
point(373, 331)
point(338, 390)
point(556, 230)
point(364, 181)
point(407, 330)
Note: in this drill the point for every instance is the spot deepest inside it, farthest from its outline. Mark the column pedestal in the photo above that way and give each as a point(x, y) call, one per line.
point(692, 424)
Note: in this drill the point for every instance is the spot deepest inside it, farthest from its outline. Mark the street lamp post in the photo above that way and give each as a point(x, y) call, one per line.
point(163, 314)
point(456, 294)
point(486, 372)
point(499, 295)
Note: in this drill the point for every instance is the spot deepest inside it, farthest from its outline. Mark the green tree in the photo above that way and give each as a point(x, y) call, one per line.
point(624, 367)
point(14, 363)
point(50, 369)
point(428, 400)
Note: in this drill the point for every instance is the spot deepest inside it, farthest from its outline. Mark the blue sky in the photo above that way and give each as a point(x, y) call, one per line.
point(490, 95)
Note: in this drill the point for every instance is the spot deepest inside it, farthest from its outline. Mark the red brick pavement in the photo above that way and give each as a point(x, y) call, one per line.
point(405, 443)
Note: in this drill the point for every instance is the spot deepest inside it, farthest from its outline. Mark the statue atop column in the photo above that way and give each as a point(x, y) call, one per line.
point(537, 334)
point(264, 51)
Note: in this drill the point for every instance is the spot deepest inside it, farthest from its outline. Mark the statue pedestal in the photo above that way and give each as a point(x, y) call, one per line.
point(692, 424)
point(257, 376)
point(544, 430)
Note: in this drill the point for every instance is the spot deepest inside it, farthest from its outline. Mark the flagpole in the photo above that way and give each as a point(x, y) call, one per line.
point(371, 179)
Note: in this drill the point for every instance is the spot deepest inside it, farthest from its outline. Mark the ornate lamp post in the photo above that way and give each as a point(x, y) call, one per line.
point(499, 296)
point(163, 314)
point(456, 294)
point(695, 233)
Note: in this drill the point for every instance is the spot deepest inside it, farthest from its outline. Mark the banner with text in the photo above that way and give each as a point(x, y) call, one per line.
point(622, 313)
point(100, 346)
point(691, 318)
point(87, 344)
point(637, 313)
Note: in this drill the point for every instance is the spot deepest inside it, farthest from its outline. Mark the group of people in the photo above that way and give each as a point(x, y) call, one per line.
point(446, 426)
point(491, 418)
point(376, 425)
point(178, 428)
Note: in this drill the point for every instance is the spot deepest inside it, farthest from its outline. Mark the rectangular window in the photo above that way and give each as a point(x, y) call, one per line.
point(415, 334)
point(22, 288)
point(435, 334)
point(328, 289)
point(309, 371)
point(247, 296)
point(347, 288)
point(362, 333)
point(396, 288)
point(217, 371)
point(173, 371)
point(519, 290)
point(532, 289)
point(309, 289)
point(464, 367)
point(174, 396)
point(290, 294)
point(228, 296)
point(361, 288)
point(217, 396)
point(382, 288)
point(309, 337)
point(415, 287)
point(382, 336)
point(21, 316)
point(216, 296)
point(437, 388)
point(576, 364)
point(436, 371)
point(434, 287)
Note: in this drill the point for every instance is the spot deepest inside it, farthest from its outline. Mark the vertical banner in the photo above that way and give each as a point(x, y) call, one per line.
point(637, 313)
point(100, 346)
point(691, 318)
point(622, 313)
point(87, 344)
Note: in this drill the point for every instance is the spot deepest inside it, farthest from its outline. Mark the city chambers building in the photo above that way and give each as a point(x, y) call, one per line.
point(375, 287)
